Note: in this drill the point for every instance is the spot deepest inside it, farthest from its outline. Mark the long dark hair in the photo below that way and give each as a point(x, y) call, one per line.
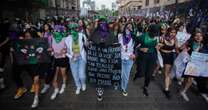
point(125, 27)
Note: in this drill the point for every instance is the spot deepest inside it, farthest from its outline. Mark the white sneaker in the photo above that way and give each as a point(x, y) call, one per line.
point(124, 93)
point(205, 97)
point(55, 93)
point(2, 86)
point(35, 102)
point(45, 89)
point(185, 97)
point(62, 88)
point(84, 87)
point(77, 91)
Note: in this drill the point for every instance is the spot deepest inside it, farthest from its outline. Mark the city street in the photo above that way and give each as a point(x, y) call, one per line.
point(113, 100)
point(69, 53)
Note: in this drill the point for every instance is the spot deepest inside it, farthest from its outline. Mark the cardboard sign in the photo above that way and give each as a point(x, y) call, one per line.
point(104, 65)
point(198, 65)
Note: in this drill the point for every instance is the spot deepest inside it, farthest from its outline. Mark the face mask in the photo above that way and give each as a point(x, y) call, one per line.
point(103, 26)
point(58, 37)
point(74, 34)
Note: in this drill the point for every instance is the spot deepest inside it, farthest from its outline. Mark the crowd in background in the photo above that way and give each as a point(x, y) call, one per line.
point(141, 39)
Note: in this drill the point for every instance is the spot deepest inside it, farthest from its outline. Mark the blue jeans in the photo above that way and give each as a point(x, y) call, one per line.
point(125, 73)
point(78, 71)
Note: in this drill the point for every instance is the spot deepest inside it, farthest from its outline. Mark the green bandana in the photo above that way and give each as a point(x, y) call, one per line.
point(57, 36)
point(74, 36)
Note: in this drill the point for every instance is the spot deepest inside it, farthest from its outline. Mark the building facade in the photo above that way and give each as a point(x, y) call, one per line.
point(144, 7)
point(35, 9)
point(127, 7)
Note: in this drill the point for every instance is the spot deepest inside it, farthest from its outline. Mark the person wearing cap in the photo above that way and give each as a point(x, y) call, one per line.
point(104, 37)
point(75, 44)
point(102, 33)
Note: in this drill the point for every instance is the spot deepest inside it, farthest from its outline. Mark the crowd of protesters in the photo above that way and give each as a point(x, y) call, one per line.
point(141, 40)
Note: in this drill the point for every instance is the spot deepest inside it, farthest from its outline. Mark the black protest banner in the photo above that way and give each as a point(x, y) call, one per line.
point(31, 51)
point(104, 65)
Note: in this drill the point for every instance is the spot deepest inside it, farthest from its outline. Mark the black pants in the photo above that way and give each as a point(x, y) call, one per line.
point(17, 71)
point(49, 73)
point(146, 65)
point(202, 84)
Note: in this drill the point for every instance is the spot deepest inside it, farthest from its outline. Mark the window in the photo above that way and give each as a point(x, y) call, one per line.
point(157, 1)
point(147, 2)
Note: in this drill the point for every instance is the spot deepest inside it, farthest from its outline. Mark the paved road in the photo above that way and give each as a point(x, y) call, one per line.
point(113, 100)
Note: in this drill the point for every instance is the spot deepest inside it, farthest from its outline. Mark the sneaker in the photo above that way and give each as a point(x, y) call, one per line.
point(135, 78)
point(159, 72)
point(99, 98)
point(77, 91)
point(167, 94)
point(32, 90)
point(55, 93)
point(184, 95)
point(35, 103)
point(145, 92)
point(2, 86)
point(124, 93)
point(62, 88)
point(84, 87)
point(20, 92)
point(205, 97)
point(180, 83)
point(45, 89)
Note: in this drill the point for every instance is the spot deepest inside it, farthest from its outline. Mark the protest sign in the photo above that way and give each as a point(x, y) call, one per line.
point(198, 65)
point(104, 65)
point(31, 51)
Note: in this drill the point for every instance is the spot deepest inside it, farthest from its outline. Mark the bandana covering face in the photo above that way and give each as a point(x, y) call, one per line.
point(168, 38)
point(127, 38)
point(103, 29)
point(58, 37)
point(74, 36)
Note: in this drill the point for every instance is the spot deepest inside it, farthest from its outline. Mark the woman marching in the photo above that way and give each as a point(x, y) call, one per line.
point(60, 65)
point(104, 37)
point(33, 68)
point(127, 55)
point(77, 56)
point(168, 50)
point(48, 68)
point(148, 56)
point(195, 44)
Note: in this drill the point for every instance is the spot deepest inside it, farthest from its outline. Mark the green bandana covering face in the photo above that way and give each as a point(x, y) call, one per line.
point(58, 37)
point(74, 36)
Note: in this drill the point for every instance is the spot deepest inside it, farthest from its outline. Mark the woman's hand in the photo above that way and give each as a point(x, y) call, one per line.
point(145, 50)
point(158, 46)
point(132, 56)
point(50, 49)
